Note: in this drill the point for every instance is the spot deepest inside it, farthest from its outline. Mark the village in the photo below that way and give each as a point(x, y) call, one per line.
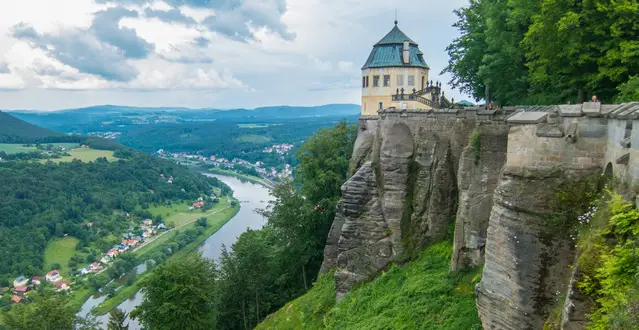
point(22, 285)
point(223, 163)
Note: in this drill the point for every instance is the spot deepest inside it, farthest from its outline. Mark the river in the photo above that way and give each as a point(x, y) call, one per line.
point(251, 196)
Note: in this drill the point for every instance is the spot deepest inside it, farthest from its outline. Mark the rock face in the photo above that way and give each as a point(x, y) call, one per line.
point(576, 305)
point(479, 171)
point(527, 263)
point(401, 197)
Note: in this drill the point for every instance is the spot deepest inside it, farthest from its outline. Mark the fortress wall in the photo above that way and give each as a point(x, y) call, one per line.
point(526, 149)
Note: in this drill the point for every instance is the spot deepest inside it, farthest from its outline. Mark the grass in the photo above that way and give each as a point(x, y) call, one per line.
point(85, 155)
point(9, 148)
point(420, 295)
point(181, 216)
point(215, 223)
point(60, 250)
point(252, 138)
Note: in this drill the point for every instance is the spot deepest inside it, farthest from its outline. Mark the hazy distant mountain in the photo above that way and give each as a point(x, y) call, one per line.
point(72, 119)
point(13, 129)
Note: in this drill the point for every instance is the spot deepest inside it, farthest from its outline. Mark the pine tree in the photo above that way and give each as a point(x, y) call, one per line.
point(117, 319)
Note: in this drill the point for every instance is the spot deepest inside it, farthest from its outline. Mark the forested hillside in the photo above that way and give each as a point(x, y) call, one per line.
point(546, 51)
point(39, 202)
point(14, 130)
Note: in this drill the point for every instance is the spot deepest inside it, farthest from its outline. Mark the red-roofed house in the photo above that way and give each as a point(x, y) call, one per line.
point(21, 290)
point(198, 205)
point(62, 285)
point(132, 242)
point(16, 299)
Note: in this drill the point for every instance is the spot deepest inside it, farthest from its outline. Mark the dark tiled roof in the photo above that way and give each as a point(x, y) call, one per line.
point(395, 36)
point(388, 52)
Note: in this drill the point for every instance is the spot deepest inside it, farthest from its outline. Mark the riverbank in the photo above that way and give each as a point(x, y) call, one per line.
point(215, 223)
point(250, 178)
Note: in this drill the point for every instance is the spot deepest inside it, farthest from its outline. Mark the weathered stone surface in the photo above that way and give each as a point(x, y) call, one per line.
point(576, 305)
point(570, 110)
point(363, 148)
point(477, 179)
point(528, 117)
point(364, 246)
point(527, 263)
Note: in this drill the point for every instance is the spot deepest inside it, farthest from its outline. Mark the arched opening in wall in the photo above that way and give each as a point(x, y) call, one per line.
point(608, 171)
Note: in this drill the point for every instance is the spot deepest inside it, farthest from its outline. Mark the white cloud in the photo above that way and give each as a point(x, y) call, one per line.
point(201, 66)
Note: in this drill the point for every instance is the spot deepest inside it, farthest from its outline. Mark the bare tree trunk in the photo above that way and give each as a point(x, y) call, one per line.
point(244, 314)
point(304, 277)
point(581, 95)
point(257, 309)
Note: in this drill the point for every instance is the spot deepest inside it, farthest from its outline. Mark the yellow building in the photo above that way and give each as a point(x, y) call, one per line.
point(396, 75)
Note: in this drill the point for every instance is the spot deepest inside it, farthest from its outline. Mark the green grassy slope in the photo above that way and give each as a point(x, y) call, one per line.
point(13, 129)
point(421, 294)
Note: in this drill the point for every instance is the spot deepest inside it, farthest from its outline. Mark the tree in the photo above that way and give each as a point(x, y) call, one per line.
point(202, 222)
point(180, 294)
point(628, 91)
point(49, 312)
point(117, 319)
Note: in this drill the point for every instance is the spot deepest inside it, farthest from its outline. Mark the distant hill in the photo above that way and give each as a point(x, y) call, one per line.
point(14, 130)
point(75, 120)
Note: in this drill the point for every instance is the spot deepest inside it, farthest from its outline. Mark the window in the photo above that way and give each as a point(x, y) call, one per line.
point(386, 80)
point(363, 82)
point(411, 80)
point(400, 80)
point(381, 105)
point(375, 81)
point(366, 81)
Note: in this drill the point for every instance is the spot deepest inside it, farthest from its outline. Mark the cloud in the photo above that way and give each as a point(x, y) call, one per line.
point(106, 28)
point(202, 42)
point(171, 16)
point(4, 68)
point(80, 50)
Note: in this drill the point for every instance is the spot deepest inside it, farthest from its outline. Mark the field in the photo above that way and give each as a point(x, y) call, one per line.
point(252, 138)
point(180, 216)
point(9, 148)
point(60, 251)
point(85, 155)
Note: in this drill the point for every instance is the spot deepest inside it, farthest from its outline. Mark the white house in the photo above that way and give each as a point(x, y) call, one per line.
point(20, 281)
point(53, 276)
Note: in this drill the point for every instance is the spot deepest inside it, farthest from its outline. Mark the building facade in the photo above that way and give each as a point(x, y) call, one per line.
point(396, 75)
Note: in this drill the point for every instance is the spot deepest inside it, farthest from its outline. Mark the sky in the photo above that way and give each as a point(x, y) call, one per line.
point(224, 54)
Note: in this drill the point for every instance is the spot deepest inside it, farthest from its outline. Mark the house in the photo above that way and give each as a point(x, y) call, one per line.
point(21, 290)
point(124, 242)
point(95, 266)
point(148, 222)
point(113, 253)
point(198, 205)
point(62, 285)
point(161, 226)
point(20, 281)
point(16, 299)
point(85, 270)
point(132, 242)
point(89, 224)
point(53, 276)
point(37, 280)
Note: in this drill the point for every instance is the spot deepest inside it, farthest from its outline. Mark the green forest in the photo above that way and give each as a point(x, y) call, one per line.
point(43, 201)
point(229, 139)
point(546, 51)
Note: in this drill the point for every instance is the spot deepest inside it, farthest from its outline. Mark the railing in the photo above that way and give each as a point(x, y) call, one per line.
point(413, 97)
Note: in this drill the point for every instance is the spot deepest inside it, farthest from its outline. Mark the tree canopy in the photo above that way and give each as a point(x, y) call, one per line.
point(544, 51)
